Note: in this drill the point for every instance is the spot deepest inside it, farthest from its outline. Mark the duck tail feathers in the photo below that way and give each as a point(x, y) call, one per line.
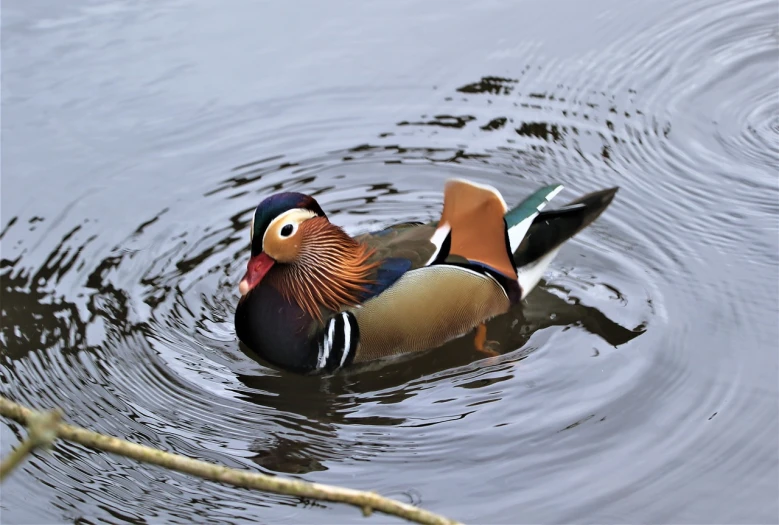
point(550, 229)
point(519, 219)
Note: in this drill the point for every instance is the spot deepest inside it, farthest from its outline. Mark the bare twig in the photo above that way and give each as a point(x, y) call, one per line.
point(366, 501)
point(43, 431)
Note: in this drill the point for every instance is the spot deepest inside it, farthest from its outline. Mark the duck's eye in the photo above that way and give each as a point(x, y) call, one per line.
point(286, 230)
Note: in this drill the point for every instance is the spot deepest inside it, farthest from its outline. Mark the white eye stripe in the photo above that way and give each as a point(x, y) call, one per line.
point(294, 217)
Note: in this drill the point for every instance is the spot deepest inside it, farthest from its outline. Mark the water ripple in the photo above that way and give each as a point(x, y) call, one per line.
point(627, 385)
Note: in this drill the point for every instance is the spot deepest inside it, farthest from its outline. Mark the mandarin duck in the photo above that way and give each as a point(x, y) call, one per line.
point(315, 299)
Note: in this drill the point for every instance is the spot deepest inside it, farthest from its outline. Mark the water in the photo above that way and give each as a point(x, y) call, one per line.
point(640, 383)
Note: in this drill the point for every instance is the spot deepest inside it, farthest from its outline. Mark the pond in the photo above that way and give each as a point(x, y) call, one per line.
point(638, 383)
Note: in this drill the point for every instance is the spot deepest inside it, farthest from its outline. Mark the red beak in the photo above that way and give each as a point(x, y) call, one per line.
point(256, 269)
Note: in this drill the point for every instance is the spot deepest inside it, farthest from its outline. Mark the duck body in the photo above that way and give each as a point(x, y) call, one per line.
point(315, 300)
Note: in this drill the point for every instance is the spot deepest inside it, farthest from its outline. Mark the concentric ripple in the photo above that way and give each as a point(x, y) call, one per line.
point(638, 383)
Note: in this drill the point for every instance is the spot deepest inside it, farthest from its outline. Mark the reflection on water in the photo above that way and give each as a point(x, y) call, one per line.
point(627, 384)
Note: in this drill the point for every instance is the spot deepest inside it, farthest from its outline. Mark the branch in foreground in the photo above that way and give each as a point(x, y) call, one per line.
point(367, 501)
point(43, 431)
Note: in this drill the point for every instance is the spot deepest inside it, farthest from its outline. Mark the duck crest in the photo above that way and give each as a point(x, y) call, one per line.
point(332, 270)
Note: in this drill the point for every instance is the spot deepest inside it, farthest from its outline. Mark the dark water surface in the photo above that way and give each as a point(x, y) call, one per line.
point(640, 383)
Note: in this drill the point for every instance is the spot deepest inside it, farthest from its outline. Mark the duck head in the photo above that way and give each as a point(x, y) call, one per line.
point(307, 258)
point(275, 234)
